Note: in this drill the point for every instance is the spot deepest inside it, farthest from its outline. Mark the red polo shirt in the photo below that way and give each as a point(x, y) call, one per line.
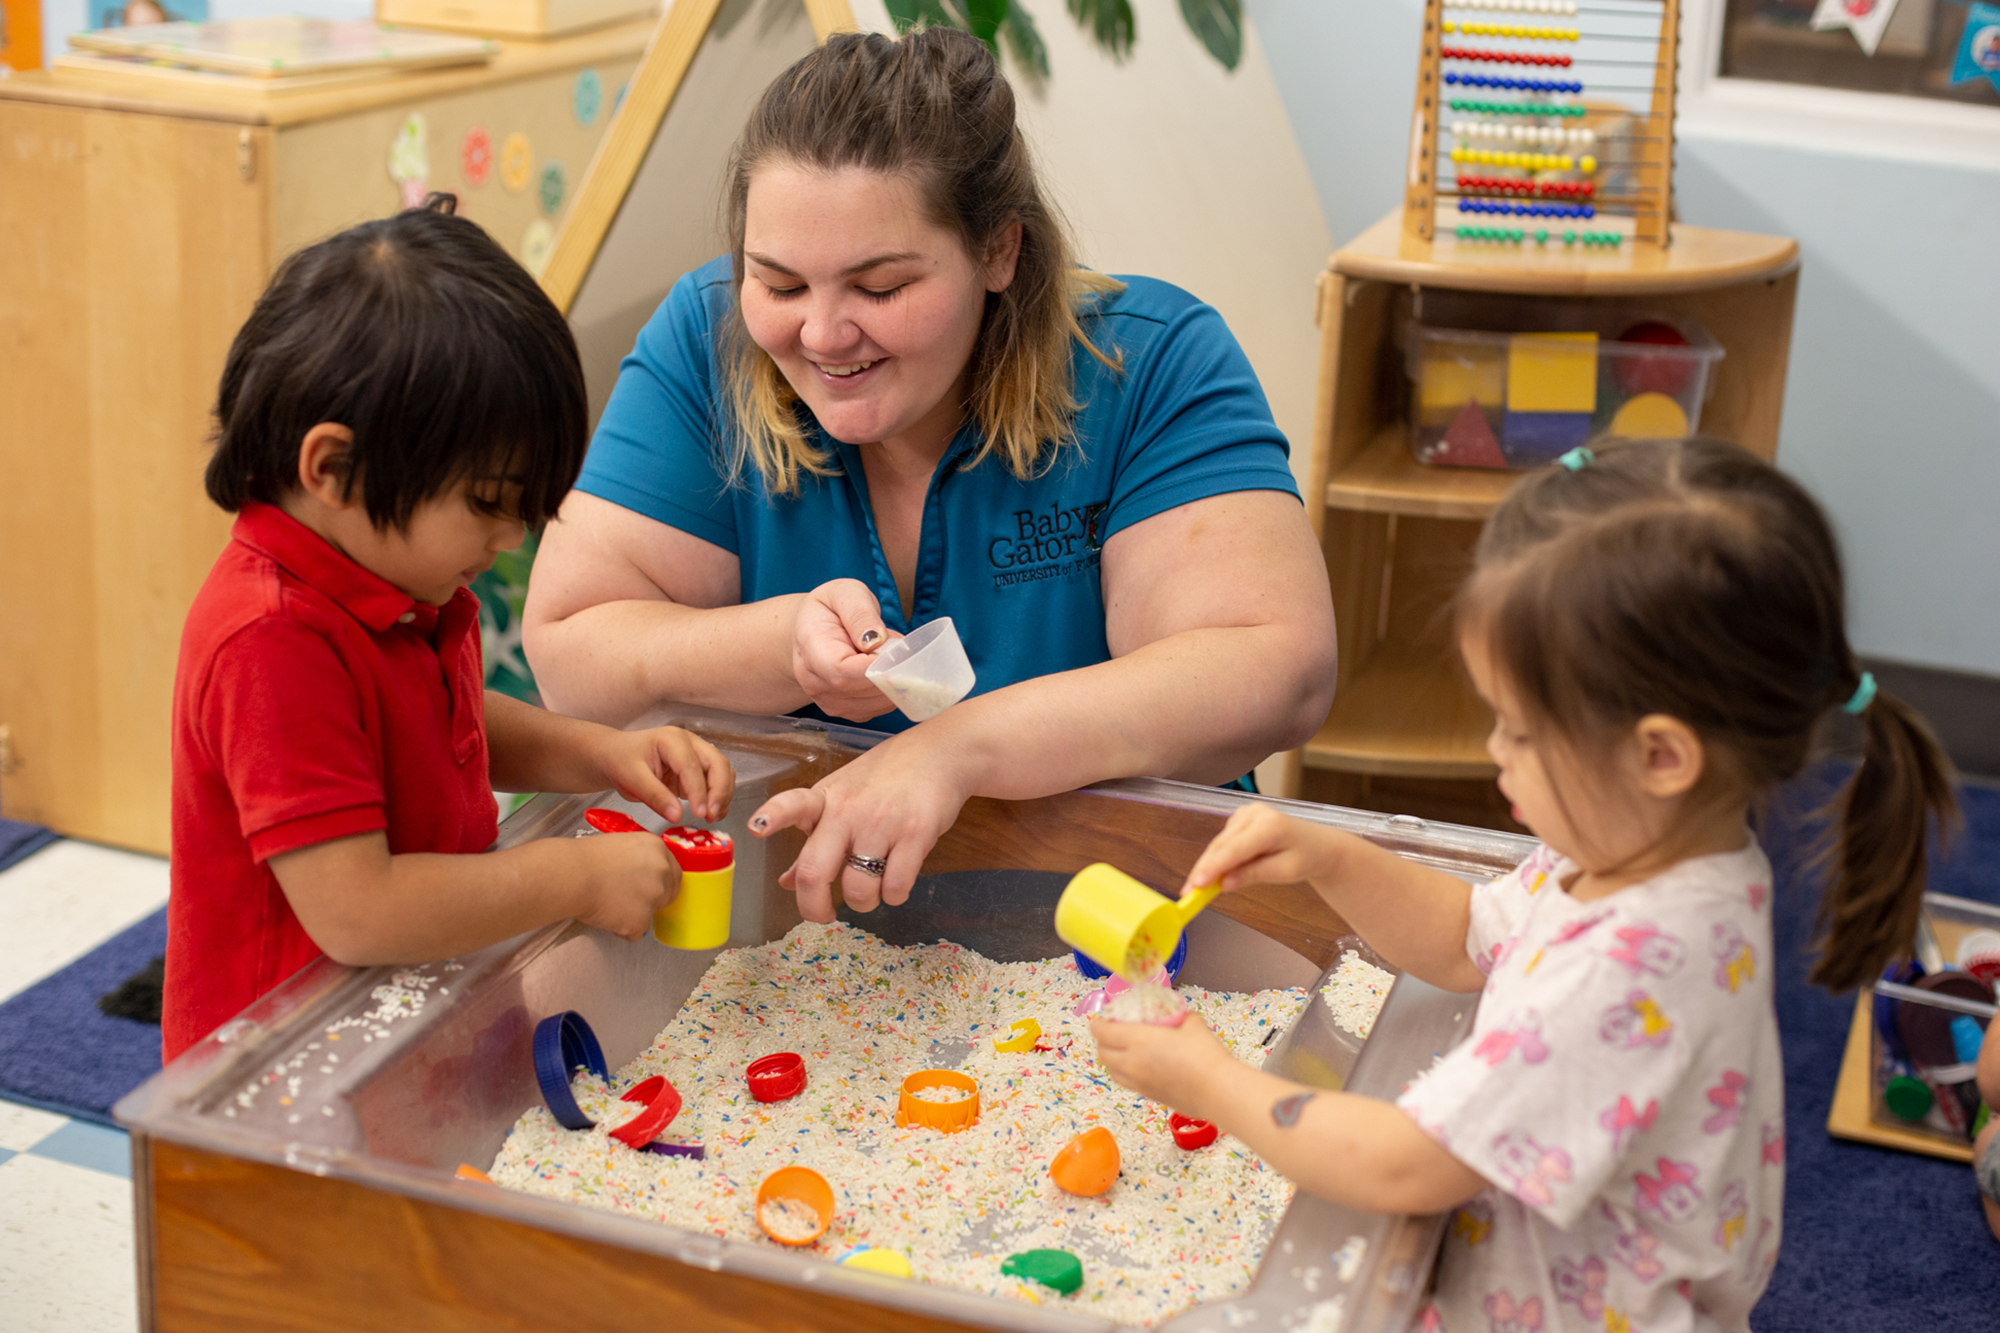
point(313, 701)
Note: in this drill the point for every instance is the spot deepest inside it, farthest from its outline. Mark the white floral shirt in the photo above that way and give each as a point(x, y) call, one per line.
point(1623, 1091)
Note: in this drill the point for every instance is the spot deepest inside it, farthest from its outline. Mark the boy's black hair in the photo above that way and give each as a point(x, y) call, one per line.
point(421, 336)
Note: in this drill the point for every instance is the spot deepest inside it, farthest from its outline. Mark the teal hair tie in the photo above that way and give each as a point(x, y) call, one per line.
point(1577, 459)
point(1864, 694)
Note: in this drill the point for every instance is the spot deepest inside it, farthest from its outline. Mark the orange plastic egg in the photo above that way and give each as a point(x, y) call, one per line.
point(1088, 1163)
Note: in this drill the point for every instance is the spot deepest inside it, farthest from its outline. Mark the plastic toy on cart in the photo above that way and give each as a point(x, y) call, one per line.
point(1905, 1080)
point(1502, 398)
point(1929, 1018)
point(384, 1122)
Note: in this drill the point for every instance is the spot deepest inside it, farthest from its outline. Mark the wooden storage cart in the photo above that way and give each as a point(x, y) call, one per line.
point(1406, 732)
point(140, 217)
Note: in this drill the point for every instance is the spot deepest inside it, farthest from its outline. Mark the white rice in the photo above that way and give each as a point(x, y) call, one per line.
point(942, 1093)
point(1355, 993)
point(1178, 1228)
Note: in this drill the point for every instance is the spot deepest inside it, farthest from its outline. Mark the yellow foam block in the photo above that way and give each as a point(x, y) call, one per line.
point(1459, 373)
point(1552, 372)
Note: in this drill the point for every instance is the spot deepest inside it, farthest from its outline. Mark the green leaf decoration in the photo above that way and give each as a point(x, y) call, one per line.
point(1109, 23)
point(1219, 25)
point(1024, 41)
point(907, 14)
point(503, 592)
point(983, 19)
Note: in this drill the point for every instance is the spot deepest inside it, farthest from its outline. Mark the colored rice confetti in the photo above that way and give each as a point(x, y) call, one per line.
point(1355, 993)
point(1176, 1229)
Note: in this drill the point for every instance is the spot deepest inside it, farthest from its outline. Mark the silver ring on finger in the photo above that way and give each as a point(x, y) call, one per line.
point(873, 866)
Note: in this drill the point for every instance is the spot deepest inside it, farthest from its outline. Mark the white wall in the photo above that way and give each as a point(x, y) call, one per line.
point(1892, 407)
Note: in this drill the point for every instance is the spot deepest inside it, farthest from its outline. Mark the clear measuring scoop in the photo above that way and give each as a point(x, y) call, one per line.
point(925, 672)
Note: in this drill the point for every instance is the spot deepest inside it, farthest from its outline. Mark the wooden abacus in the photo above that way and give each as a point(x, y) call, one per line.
point(1559, 152)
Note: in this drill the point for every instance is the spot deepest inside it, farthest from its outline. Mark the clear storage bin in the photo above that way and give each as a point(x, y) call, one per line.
point(1504, 398)
point(1919, 1080)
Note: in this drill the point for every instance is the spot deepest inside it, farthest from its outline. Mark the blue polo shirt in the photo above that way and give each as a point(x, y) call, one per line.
point(1014, 563)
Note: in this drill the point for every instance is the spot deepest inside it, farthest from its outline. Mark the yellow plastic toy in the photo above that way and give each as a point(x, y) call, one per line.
point(886, 1262)
point(1123, 924)
point(1026, 1033)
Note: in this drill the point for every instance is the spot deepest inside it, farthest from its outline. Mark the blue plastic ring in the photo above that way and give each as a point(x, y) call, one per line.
point(562, 1042)
point(1175, 962)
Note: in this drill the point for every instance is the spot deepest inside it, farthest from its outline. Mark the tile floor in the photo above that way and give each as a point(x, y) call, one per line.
point(65, 1185)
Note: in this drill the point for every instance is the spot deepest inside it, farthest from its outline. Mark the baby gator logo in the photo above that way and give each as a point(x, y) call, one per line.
point(1047, 543)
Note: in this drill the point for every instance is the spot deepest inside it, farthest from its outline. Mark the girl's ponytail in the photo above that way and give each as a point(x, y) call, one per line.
point(1688, 578)
point(1868, 915)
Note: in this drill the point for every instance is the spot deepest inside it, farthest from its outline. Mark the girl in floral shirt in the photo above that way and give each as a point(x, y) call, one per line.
point(1658, 629)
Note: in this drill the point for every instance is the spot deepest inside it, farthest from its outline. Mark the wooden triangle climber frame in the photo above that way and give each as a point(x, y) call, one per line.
point(1544, 124)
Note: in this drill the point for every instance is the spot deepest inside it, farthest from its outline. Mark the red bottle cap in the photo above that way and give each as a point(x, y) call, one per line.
point(662, 1102)
point(612, 821)
point(700, 848)
point(773, 1078)
point(1191, 1134)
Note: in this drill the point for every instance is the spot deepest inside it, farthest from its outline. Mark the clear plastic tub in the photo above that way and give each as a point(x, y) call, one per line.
point(299, 1181)
point(1519, 399)
point(1918, 1081)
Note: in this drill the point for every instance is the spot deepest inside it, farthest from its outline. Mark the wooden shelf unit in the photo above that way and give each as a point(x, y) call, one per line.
point(140, 216)
point(1398, 535)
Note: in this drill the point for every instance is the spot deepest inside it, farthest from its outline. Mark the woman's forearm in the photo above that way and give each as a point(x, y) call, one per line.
point(613, 661)
point(1204, 705)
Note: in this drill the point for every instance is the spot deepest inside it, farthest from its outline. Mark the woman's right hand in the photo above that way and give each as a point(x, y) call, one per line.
point(835, 634)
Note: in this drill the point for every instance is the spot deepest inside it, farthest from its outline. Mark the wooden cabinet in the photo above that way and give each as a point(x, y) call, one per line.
point(1406, 731)
point(140, 216)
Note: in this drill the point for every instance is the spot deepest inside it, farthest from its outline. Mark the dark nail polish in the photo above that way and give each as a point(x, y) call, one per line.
point(870, 637)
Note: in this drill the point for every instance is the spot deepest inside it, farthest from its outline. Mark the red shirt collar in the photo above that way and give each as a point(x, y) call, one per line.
point(312, 560)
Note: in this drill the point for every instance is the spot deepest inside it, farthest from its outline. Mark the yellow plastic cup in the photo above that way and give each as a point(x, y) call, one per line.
point(698, 917)
point(1123, 924)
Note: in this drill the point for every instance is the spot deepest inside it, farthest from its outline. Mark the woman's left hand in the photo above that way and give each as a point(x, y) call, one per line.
point(1175, 1066)
point(891, 804)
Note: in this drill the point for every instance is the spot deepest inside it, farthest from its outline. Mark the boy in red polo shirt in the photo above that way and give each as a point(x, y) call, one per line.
point(401, 406)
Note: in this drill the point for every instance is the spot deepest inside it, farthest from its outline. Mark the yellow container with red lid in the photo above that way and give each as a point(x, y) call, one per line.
point(698, 917)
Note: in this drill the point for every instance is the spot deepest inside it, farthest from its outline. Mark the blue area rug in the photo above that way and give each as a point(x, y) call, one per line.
point(1873, 1238)
point(20, 841)
point(59, 1053)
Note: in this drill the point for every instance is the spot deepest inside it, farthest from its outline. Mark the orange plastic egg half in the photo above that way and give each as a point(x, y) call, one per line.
point(1087, 1164)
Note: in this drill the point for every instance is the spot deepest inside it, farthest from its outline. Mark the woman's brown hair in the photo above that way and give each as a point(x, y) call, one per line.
point(1690, 578)
point(935, 109)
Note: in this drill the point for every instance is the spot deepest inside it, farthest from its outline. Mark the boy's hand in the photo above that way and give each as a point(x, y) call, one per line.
point(1176, 1066)
point(1260, 846)
point(628, 877)
point(652, 766)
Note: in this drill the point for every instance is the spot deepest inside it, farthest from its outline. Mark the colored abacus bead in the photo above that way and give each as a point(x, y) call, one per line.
point(1541, 236)
point(1569, 238)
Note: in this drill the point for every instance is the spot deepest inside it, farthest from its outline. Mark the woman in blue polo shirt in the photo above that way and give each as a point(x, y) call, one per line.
point(897, 399)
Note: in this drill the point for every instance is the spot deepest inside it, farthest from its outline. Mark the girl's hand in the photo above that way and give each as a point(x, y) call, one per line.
point(1260, 846)
point(1176, 1066)
point(627, 877)
point(835, 635)
point(892, 803)
point(651, 766)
